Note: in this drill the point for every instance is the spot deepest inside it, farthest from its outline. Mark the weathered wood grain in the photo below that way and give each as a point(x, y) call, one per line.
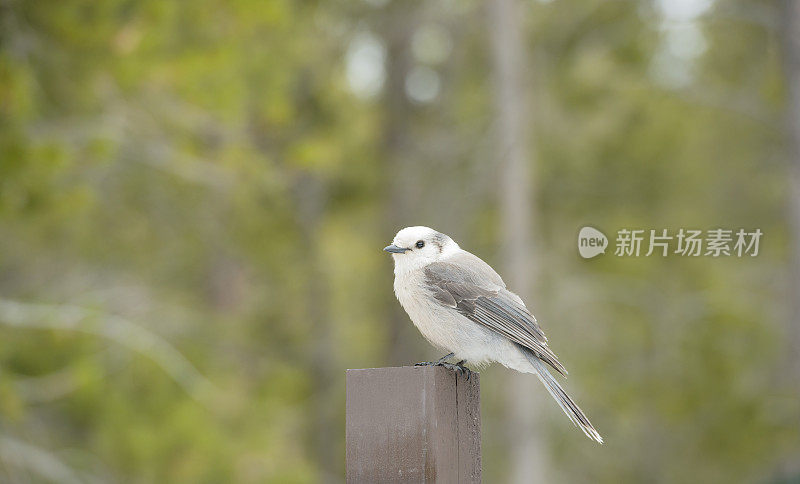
point(413, 424)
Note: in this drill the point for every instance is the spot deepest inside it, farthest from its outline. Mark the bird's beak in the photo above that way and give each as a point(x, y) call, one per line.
point(394, 249)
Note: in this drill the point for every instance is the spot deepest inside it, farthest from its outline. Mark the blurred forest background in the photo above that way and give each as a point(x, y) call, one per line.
point(194, 197)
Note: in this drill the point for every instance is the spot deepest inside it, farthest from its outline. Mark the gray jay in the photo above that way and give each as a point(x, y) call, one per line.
point(461, 305)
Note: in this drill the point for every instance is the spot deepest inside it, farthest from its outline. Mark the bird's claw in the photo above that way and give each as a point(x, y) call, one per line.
point(463, 369)
point(458, 367)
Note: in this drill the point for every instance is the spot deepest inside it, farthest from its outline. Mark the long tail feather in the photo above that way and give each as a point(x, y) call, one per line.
point(564, 401)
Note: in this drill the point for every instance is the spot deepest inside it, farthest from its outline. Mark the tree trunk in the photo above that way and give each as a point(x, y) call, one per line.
point(791, 47)
point(528, 453)
point(402, 176)
point(310, 195)
point(792, 72)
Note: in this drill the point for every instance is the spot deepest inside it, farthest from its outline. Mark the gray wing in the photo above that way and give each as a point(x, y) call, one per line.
point(474, 289)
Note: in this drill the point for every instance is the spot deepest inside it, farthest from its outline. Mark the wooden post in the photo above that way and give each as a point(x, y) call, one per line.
point(413, 424)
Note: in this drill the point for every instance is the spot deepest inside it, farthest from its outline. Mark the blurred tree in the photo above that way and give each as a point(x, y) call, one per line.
point(529, 460)
point(791, 60)
point(403, 170)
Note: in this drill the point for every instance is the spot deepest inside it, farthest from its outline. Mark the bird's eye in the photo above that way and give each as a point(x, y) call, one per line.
point(420, 244)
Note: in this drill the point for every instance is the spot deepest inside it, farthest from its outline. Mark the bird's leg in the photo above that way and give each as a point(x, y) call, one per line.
point(440, 362)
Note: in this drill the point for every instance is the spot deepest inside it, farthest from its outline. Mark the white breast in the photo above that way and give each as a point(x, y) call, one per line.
point(444, 327)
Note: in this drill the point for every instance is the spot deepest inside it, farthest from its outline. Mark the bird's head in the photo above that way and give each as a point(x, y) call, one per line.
point(416, 247)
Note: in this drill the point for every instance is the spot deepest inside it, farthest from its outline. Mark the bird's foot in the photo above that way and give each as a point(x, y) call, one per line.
point(439, 362)
point(451, 367)
point(464, 370)
point(457, 367)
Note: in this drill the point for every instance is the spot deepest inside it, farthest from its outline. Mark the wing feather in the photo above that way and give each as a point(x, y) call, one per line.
point(471, 286)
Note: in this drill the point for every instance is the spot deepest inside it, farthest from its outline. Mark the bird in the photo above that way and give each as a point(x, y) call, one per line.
point(462, 306)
